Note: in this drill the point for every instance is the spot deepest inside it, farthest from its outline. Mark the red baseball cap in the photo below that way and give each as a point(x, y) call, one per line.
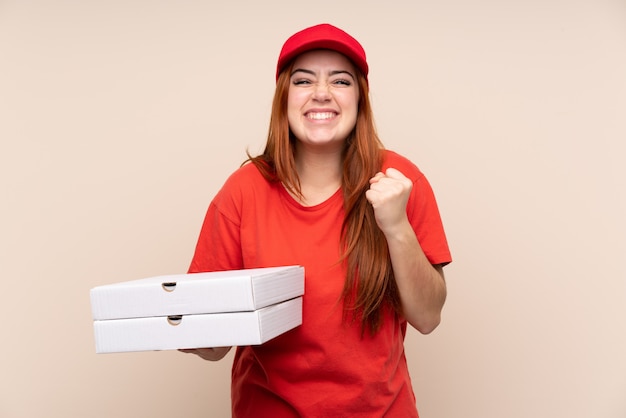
point(323, 36)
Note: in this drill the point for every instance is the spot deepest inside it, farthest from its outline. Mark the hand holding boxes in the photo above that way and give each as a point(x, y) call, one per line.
point(215, 309)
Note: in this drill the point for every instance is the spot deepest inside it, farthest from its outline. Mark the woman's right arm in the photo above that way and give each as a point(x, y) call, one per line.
point(211, 354)
point(219, 247)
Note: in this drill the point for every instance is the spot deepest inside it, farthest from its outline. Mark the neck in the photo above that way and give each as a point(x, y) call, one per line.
point(320, 175)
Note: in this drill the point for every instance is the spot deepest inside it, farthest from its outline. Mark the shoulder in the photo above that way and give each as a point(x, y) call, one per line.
point(404, 165)
point(243, 183)
point(245, 177)
point(247, 172)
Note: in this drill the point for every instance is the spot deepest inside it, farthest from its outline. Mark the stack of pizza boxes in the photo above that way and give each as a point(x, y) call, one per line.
point(216, 309)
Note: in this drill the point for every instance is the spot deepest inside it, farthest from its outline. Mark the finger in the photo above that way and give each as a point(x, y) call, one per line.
point(377, 177)
point(394, 173)
point(370, 196)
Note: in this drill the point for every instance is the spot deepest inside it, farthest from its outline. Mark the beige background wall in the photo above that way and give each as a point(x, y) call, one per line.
point(119, 120)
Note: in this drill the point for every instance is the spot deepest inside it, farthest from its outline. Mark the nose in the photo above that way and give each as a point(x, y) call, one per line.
point(321, 92)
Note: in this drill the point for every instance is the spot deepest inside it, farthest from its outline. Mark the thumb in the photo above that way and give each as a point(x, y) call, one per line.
point(394, 174)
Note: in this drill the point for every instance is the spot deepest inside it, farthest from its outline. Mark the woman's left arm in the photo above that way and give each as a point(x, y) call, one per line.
point(421, 285)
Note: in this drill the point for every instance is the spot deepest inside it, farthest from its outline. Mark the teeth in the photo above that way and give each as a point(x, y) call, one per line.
point(319, 116)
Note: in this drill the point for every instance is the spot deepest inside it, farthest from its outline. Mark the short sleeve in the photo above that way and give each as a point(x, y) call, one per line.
point(423, 213)
point(219, 243)
point(422, 210)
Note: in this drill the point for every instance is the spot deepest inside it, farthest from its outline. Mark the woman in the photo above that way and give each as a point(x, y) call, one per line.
point(363, 222)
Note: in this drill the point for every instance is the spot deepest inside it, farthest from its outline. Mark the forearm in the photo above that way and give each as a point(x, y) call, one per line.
point(421, 285)
point(210, 354)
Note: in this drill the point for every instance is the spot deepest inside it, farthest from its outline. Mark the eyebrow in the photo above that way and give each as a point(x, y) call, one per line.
point(335, 72)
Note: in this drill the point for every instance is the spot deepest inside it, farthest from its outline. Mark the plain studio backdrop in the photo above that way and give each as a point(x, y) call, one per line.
point(120, 120)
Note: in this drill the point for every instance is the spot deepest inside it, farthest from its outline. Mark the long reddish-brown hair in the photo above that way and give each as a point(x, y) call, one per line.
point(370, 286)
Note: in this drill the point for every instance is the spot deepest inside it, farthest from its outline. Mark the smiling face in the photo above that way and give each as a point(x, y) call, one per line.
point(323, 99)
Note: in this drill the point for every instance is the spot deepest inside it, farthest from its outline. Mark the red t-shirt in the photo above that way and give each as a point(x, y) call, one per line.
point(323, 368)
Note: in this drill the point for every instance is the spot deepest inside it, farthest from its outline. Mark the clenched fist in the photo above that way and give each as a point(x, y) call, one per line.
point(389, 193)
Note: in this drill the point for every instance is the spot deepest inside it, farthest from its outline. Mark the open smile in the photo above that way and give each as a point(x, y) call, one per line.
point(320, 115)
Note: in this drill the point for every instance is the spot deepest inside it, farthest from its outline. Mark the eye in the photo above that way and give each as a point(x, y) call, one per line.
point(301, 82)
point(342, 82)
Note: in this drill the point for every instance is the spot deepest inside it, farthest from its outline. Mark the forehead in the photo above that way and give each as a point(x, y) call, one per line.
point(323, 58)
